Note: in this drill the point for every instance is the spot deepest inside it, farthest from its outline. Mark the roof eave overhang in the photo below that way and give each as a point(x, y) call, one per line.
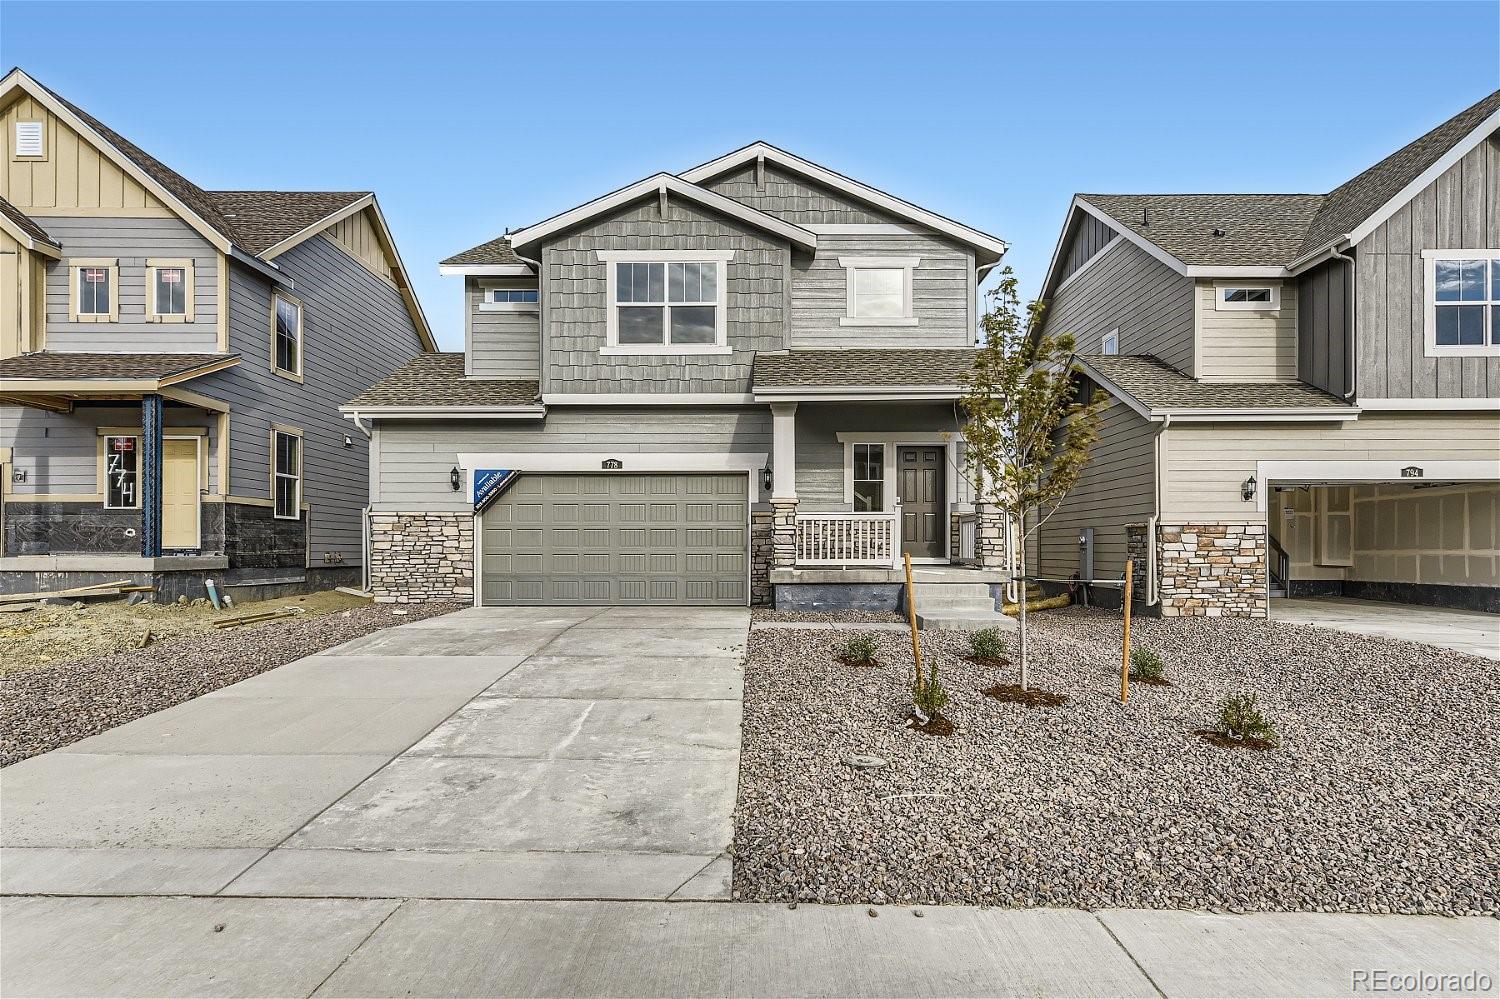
point(983, 241)
point(1188, 414)
point(44, 247)
point(657, 184)
point(441, 412)
point(307, 232)
point(485, 270)
point(857, 393)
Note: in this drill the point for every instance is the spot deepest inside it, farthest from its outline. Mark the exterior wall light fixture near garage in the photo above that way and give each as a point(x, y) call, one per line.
point(1247, 489)
point(456, 479)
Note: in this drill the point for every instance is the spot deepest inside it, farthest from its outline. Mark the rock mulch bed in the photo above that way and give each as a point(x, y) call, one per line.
point(51, 706)
point(1383, 796)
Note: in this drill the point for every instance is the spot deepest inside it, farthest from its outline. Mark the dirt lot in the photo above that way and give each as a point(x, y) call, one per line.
point(84, 629)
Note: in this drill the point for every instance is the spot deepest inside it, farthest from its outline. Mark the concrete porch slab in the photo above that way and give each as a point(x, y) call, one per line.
point(47, 871)
point(594, 677)
point(436, 803)
point(178, 946)
point(536, 874)
point(571, 728)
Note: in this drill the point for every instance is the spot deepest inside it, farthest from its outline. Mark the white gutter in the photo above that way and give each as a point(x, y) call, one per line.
point(485, 270)
point(1153, 597)
point(436, 412)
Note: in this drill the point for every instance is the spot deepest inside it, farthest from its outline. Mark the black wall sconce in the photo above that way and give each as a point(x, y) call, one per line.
point(1247, 489)
point(765, 479)
point(456, 479)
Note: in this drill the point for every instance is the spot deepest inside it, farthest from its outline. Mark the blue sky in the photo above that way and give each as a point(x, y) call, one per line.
point(468, 118)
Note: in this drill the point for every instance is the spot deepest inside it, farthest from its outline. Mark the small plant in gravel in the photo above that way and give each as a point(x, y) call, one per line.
point(930, 698)
point(987, 647)
point(1146, 666)
point(1242, 723)
point(858, 651)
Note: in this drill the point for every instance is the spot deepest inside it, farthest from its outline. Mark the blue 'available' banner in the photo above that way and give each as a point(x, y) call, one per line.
point(489, 483)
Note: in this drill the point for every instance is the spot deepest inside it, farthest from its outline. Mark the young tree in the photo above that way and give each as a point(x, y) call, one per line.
point(1027, 434)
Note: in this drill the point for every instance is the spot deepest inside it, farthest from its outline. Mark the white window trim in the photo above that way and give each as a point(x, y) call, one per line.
point(1222, 306)
point(1111, 339)
point(886, 478)
point(486, 305)
point(292, 374)
point(1430, 346)
point(110, 264)
point(104, 439)
point(152, 316)
point(852, 264)
point(612, 345)
point(278, 430)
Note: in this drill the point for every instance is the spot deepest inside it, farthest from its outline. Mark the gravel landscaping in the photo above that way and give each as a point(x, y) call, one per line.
point(59, 703)
point(1384, 795)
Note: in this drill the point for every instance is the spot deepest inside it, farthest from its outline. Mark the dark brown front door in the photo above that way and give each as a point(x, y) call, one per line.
point(923, 507)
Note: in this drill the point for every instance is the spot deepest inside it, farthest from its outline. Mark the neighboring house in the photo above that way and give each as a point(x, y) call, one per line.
point(1304, 388)
point(171, 362)
point(714, 383)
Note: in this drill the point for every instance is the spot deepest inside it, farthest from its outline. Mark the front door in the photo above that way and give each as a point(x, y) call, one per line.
point(924, 509)
point(179, 493)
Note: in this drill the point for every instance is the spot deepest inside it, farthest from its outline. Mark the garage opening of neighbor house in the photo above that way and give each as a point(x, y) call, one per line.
point(617, 538)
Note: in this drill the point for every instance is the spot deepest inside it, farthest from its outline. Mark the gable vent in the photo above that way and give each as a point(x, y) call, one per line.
point(28, 138)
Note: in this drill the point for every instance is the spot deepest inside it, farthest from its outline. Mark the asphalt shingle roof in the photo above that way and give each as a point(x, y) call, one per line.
point(917, 367)
point(261, 219)
point(51, 365)
point(1159, 386)
point(496, 251)
point(438, 380)
point(27, 223)
point(1257, 228)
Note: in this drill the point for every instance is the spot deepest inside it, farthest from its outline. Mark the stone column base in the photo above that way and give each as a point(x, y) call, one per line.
point(419, 557)
point(762, 549)
point(783, 533)
point(989, 536)
point(1213, 570)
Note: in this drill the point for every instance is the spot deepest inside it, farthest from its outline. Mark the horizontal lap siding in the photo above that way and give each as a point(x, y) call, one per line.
point(59, 451)
point(941, 299)
point(1247, 346)
point(502, 344)
point(1207, 462)
point(820, 454)
point(132, 242)
point(1460, 210)
point(574, 288)
point(415, 458)
point(1117, 488)
point(356, 330)
point(1127, 288)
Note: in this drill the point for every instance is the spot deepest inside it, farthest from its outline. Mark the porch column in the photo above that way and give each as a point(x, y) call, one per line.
point(784, 484)
point(149, 472)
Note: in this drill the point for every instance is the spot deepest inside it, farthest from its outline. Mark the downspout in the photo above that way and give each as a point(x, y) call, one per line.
point(1349, 320)
point(1152, 596)
point(364, 521)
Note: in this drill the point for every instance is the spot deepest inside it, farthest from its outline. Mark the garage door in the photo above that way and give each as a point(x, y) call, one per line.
point(617, 539)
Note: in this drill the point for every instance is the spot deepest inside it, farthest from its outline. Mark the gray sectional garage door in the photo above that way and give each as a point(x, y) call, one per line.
point(618, 539)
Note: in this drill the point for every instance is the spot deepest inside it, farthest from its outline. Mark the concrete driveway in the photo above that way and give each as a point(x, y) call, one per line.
point(1473, 633)
point(509, 753)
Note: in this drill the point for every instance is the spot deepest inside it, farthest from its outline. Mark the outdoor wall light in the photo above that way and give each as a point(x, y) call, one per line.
point(1247, 489)
point(456, 479)
point(765, 478)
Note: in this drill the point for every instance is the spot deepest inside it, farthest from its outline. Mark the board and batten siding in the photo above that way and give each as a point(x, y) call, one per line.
point(1246, 346)
point(414, 458)
point(1089, 238)
point(1117, 488)
point(59, 451)
point(799, 200)
point(1460, 210)
point(1128, 289)
point(356, 330)
point(573, 286)
point(942, 293)
point(501, 344)
point(131, 241)
point(1205, 463)
point(73, 175)
point(1323, 328)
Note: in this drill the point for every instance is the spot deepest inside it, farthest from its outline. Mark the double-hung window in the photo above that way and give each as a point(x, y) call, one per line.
point(669, 302)
point(286, 473)
point(878, 291)
point(121, 472)
point(1462, 297)
point(286, 336)
point(94, 296)
point(869, 478)
point(169, 291)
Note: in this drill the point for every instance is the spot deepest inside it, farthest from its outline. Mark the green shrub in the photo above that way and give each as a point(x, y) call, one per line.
point(859, 649)
point(987, 644)
point(1240, 718)
point(930, 697)
point(1145, 664)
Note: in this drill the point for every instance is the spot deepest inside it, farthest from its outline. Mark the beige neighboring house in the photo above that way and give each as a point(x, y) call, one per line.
point(1304, 389)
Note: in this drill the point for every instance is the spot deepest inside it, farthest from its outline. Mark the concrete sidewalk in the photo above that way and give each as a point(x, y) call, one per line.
point(346, 947)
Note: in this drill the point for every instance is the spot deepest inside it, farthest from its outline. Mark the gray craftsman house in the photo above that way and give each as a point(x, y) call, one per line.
point(715, 386)
point(171, 363)
point(1304, 388)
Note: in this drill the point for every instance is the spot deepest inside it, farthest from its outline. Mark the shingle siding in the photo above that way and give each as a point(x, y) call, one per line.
point(798, 200)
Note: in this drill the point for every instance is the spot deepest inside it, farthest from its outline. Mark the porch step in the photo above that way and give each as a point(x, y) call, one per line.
point(953, 595)
point(965, 620)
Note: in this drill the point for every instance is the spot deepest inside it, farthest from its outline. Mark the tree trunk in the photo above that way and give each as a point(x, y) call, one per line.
point(1021, 615)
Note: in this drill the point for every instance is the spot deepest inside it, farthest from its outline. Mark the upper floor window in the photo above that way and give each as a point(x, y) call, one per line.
point(286, 336)
point(1462, 300)
point(666, 302)
point(878, 291)
point(95, 291)
point(512, 299)
point(169, 291)
point(1247, 297)
point(1111, 344)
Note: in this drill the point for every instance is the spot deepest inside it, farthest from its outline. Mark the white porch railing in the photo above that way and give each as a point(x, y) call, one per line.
point(968, 537)
point(848, 539)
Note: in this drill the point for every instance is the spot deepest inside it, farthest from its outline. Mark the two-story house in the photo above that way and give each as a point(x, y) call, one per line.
point(713, 386)
point(1304, 389)
point(171, 364)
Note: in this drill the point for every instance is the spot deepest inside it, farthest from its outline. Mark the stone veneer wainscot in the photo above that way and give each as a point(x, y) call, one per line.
point(1213, 570)
point(415, 557)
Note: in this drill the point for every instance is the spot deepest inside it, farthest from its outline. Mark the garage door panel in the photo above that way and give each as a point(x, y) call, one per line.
point(643, 539)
